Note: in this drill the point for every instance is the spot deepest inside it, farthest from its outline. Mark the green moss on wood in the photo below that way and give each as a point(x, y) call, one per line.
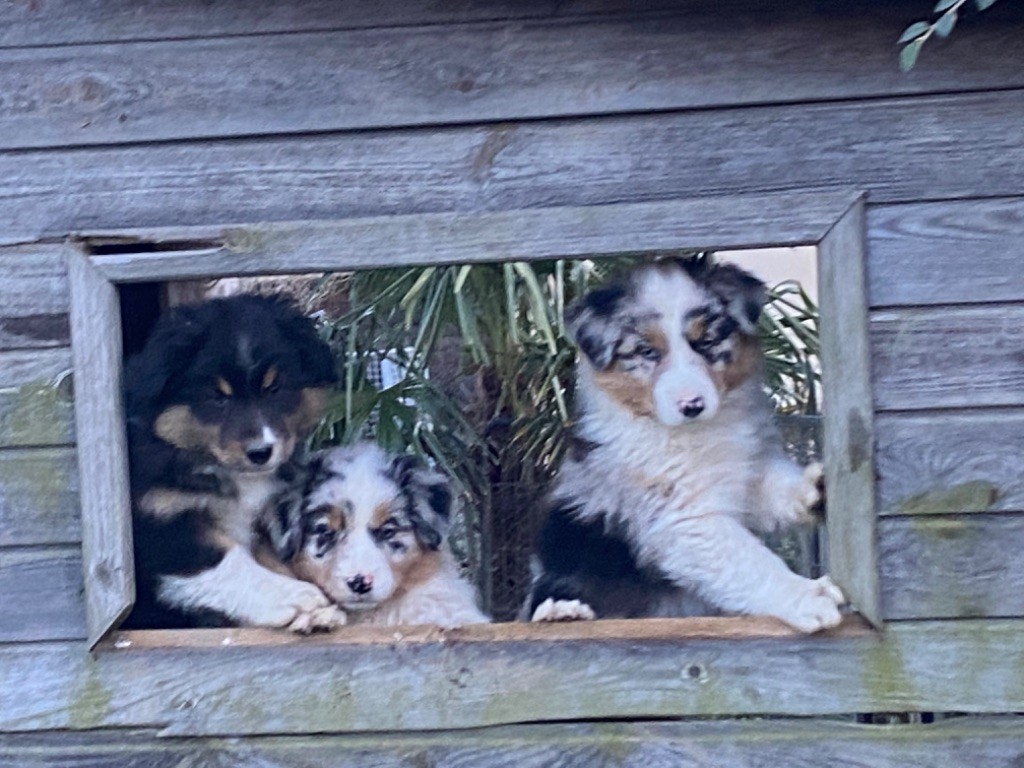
point(886, 677)
point(244, 240)
point(89, 705)
point(37, 413)
point(974, 496)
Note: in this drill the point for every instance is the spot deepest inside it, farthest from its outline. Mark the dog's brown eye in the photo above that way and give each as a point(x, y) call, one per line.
point(647, 352)
point(397, 546)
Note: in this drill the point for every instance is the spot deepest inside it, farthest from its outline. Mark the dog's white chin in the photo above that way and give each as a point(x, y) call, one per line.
point(360, 606)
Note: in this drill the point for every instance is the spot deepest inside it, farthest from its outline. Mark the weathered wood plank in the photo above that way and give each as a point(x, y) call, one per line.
point(107, 558)
point(848, 428)
point(952, 252)
point(926, 666)
point(18, 367)
point(41, 592)
point(33, 297)
point(57, 22)
point(450, 238)
point(887, 148)
point(948, 357)
point(951, 566)
point(36, 405)
point(919, 454)
point(986, 742)
point(443, 75)
point(39, 497)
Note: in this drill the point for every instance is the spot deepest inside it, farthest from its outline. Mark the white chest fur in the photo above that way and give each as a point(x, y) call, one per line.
point(239, 516)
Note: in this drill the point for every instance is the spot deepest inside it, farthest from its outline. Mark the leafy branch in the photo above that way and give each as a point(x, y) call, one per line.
point(917, 34)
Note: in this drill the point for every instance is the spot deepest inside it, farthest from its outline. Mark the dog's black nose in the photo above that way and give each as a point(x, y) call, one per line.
point(360, 584)
point(692, 408)
point(260, 456)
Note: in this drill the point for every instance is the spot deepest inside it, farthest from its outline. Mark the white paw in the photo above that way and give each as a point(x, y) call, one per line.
point(817, 606)
point(563, 610)
point(799, 496)
point(319, 619)
point(280, 601)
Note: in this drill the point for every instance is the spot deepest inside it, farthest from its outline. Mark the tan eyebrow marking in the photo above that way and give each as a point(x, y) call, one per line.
point(269, 377)
point(697, 327)
point(224, 387)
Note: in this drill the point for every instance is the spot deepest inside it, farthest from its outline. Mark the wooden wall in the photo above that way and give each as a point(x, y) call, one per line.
point(150, 113)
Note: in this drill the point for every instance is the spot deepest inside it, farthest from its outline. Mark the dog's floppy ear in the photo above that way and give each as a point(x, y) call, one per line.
point(314, 354)
point(281, 520)
point(593, 324)
point(176, 339)
point(742, 294)
point(428, 496)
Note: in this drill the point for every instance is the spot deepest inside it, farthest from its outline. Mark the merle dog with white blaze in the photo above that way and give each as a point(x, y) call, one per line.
point(217, 402)
point(676, 460)
point(370, 529)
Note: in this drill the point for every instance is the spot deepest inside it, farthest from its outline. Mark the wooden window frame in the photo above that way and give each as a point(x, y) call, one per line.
point(99, 261)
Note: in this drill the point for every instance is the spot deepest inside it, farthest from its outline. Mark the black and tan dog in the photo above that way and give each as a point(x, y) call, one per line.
point(217, 402)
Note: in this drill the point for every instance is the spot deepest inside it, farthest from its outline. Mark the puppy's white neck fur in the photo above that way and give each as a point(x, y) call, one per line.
point(254, 493)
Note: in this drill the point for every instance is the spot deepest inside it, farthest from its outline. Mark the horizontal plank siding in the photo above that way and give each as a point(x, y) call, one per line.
point(951, 566)
point(948, 357)
point(57, 22)
point(978, 742)
point(432, 684)
point(35, 366)
point(887, 148)
point(443, 75)
point(41, 594)
point(950, 252)
point(39, 501)
point(929, 454)
point(33, 297)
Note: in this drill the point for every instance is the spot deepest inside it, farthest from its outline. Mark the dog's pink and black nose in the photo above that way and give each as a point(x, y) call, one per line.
point(692, 407)
point(360, 583)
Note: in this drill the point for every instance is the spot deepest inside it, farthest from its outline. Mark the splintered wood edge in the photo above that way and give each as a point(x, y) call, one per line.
point(640, 630)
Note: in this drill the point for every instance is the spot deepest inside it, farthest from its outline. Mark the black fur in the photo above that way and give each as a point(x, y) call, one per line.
point(592, 320)
point(171, 546)
point(742, 295)
point(428, 499)
point(189, 348)
point(593, 561)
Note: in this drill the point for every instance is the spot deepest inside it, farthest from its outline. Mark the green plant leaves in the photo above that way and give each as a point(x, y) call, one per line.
point(946, 23)
point(916, 29)
point(917, 33)
point(908, 56)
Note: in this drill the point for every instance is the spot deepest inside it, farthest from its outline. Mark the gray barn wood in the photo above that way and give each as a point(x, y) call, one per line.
point(890, 148)
point(294, 83)
point(978, 742)
point(156, 116)
point(257, 684)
